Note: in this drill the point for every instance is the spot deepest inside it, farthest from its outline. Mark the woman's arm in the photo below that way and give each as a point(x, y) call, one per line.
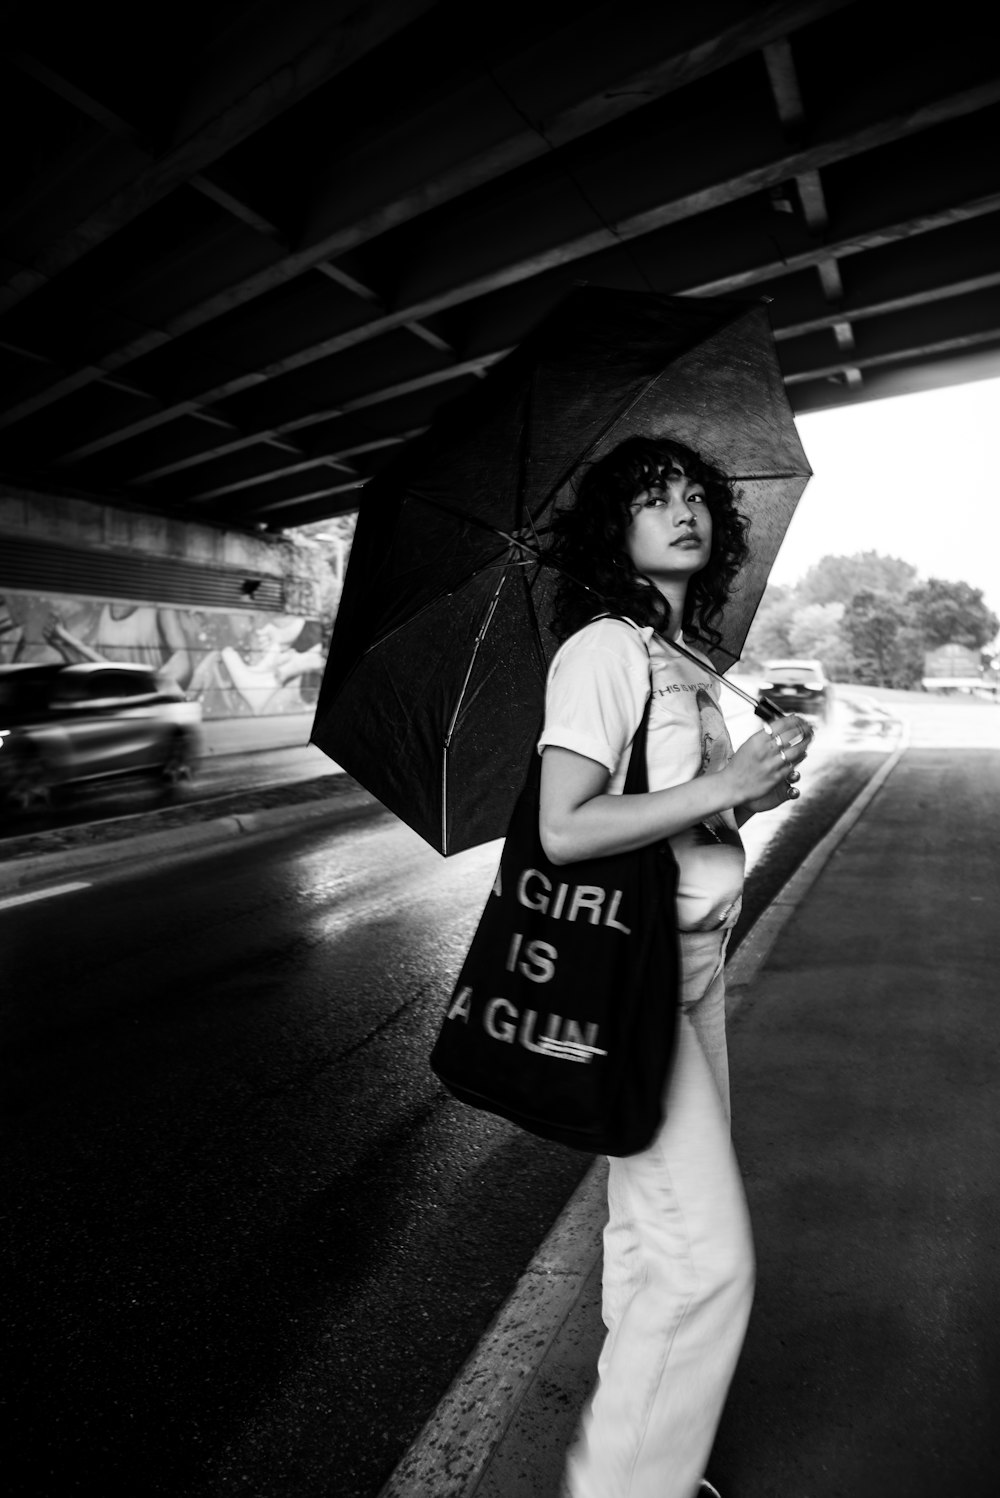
point(579, 819)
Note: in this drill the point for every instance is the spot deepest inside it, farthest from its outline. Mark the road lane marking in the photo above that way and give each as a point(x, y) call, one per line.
point(41, 894)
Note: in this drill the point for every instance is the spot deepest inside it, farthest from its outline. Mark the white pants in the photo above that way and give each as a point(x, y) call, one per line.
point(678, 1271)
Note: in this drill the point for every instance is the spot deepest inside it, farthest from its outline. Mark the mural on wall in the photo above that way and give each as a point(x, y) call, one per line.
point(245, 663)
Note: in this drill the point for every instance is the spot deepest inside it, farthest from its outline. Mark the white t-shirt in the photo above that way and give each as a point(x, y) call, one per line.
point(597, 687)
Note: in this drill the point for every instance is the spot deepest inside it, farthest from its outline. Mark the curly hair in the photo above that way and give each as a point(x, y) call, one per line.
point(596, 573)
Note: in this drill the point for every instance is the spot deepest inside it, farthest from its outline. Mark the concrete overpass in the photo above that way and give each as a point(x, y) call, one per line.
point(248, 249)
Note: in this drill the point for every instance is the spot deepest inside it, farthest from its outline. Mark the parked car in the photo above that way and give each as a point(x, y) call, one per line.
point(61, 725)
point(798, 687)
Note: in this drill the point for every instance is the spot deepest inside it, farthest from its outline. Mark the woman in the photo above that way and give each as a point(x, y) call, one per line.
point(657, 537)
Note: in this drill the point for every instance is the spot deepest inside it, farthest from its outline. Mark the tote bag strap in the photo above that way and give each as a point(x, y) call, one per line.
point(637, 775)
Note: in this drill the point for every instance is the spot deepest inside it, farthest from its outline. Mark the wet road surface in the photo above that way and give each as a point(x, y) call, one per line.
point(250, 1239)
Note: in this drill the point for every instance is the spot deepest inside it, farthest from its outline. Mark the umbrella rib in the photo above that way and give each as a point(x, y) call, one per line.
point(537, 558)
point(473, 657)
point(457, 514)
point(753, 478)
point(747, 697)
point(433, 602)
point(609, 426)
point(545, 561)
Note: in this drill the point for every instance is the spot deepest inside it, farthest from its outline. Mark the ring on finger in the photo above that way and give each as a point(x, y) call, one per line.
point(777, 745)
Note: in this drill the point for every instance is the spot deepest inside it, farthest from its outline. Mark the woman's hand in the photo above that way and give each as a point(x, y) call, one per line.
point(778, 797)
point(764, 768)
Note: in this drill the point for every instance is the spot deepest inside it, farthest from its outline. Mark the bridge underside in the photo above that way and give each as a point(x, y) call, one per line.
point(249, 249)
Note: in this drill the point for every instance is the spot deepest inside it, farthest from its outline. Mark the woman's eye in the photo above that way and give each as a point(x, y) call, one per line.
point(654, 501)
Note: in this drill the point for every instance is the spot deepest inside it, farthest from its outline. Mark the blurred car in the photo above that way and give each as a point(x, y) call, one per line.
point(61, 725)
point(798, 687)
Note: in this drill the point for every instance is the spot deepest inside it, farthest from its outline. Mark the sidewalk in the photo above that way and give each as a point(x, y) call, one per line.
point(865, 1056)
point(254, 735)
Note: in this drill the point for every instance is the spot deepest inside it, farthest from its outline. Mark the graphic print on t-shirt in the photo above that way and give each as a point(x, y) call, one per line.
point(715, 756)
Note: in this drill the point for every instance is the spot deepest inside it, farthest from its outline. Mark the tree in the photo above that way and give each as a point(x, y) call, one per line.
point(767, 638)
point(816, 633)
point(910, 652)
point(837, 579)
point(877, 628)
point(867, 618)
point(951, 614)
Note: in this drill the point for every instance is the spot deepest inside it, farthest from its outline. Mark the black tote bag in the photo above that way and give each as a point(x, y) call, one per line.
point(564, 1016)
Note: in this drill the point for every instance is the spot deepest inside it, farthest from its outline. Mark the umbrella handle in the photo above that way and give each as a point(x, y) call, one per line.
point(763, 707)
point(767, 710)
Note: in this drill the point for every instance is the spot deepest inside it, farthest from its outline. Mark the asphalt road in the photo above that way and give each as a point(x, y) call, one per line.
point(249, 1239)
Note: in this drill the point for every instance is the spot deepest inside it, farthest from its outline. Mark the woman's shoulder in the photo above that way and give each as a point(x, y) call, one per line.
point(604, 645)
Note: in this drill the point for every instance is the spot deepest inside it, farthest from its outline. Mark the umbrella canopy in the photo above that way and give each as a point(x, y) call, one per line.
point(433, 691)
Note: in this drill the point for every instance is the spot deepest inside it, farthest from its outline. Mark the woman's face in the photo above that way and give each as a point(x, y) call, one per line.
point(670, 533)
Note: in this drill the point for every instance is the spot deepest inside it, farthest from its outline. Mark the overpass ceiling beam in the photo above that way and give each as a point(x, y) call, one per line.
point(80, 98)
point(862, 237)
point(358, 288)
point(324, 460)
point(936, 348)
point(853, 240)
point(860, 311)
point(235, 203)
point(420, 306)
point(800, 368)
point(932, 329)
point(788, 99)
point(231, 100)
point(932, 372)
point(898, 360)
point(499, 266)
point(232, 202)
point(315, 505)
point(212, 418)
point(936, 258)
point(362, 402)
point(385, 393)
point(885, 192)
point(712, 40)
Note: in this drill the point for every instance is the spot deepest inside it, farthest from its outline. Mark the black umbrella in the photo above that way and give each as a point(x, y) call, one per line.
point(434, 687)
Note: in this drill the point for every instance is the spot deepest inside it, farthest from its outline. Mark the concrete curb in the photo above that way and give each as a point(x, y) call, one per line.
point(24, 872)
point(452, 1453)
point(450, 1457)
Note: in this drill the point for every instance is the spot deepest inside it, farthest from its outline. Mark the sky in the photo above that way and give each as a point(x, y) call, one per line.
point(912, 476)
